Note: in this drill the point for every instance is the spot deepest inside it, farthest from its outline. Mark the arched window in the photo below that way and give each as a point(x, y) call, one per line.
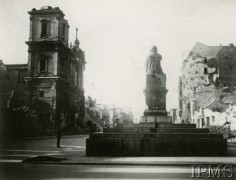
point(43, 63)
point(44, 28)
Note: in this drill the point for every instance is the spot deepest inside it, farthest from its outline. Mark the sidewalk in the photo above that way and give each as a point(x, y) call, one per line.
point(142, 161)
point(52, 137)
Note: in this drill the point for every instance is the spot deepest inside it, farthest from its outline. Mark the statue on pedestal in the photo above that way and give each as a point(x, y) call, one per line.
point(155, 82)
point(154, 74)
point(153, 64)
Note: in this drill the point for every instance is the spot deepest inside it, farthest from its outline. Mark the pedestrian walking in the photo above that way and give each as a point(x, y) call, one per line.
point(59, 134)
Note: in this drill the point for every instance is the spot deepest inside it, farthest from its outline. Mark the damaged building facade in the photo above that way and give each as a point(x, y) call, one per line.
point(53, 76)
point(207, 93)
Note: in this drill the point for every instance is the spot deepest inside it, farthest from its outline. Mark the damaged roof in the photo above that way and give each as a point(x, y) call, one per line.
point(202, 50)
point(217, 106)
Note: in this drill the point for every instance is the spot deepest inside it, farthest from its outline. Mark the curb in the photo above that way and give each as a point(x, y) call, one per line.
point(52, 137)
point(134, 164)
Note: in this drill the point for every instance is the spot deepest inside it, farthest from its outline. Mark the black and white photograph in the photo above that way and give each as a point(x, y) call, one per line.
point(117, 89)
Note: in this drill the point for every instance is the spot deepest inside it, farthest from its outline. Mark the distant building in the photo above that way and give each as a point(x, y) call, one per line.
point(174, 113)
point(122, 115)
point(17, 74)
point(107, 115)
point(6, 91)
point(52, 80)
point(207, 81)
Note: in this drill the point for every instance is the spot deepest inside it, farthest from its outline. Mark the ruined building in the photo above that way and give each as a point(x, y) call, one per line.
point(207, 93)
point(52, 80)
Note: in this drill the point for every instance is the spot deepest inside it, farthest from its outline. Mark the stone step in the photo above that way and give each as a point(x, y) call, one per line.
point(180, 130)
point(156, 147)
point(126, 130)
point(155, 130)
point(176, 125)
point(160, 125)
point(154, 135)
point(143, 125)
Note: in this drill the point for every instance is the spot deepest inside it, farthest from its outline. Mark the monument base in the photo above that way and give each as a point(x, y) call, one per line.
point(160, 139)
point(155, 116)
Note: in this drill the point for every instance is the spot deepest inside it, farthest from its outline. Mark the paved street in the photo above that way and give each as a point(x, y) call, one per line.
point(22, 149)
point(41, 171)
point(79, 166)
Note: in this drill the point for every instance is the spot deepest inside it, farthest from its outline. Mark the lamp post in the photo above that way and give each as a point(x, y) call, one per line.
point(202, 117)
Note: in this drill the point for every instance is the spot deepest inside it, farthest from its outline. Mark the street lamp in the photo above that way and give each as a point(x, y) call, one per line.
point(202, 117)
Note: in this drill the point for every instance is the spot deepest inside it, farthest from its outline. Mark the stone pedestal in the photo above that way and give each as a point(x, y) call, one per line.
point(155, 116)
point(156, 98)
point(155, 93)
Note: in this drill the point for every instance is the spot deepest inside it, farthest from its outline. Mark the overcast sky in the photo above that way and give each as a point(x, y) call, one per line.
point(116, 36)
